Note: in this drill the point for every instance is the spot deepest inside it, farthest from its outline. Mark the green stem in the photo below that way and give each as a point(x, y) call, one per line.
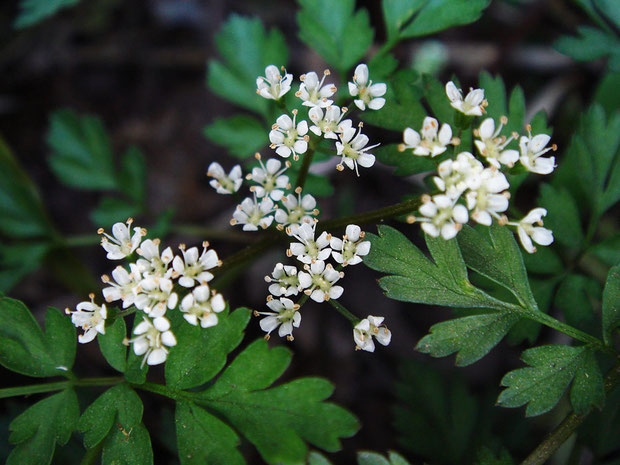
point(567, 427)
point(91, 455)
point(548, 320)
point(305, 167)
point(386, 47)
point(343, 311)
point(373, 216)
point(82, 240)
point(58, 386)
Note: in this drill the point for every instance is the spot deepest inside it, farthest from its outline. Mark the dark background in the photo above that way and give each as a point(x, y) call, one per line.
point(140, 65)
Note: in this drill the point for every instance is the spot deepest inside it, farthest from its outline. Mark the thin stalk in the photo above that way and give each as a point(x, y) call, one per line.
point(58, 386)
point(373, 216)
point(305, 167)
point(343, 311)
point(386, 47)
point(91, 455)
point(567, 427)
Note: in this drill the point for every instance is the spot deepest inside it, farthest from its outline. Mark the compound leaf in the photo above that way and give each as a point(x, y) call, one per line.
point(590, 44)
point(335, 31)
point(496, 255)
point(472, 337)
point(36, 432)
point(296, 413)
point(414, 278)
point(116, 418)
point(241, 135)
point(247, 48)
point(551, 370)
point(25, 349)
point(416, 18)
point(187, 366)
point(111, 344)
point(81, 151)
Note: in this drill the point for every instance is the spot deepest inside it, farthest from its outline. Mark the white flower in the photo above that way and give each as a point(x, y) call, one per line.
point(273, 86)
point(370, 327)
point(531, 150)
point(473, 104)
point(328, 124)
point(223, 183)
point(351, 248)
point(253, 214)
point(443, 216)
point(284, 280)
point(485, 201)
point(455, 176)
point(433, 142)
point(314, 93)
point(285, 315)
point(528, 232)
point(270, 178)
point(121, 243)
point(352, 148)
point(491, 145)
point(202, 304)
point(151, 263)
point(193, 268)
point(90, 317)
point(307, 250)
point(368, 94)
point(318, 281)
point(155, 296)
point(125, 287)
point(152, 340)
point(299, 209)
point(288, 138)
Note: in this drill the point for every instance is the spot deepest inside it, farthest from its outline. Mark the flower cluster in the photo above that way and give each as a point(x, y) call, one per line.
point(475, 187)
point(151, 283)
point(314, 277)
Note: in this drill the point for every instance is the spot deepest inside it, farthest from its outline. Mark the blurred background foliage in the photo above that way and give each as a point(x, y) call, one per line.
point(104, 109)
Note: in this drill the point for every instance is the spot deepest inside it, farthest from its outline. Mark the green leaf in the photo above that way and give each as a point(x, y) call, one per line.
point(26, 350)
point(380, 67)
point(111, 344)
point(241, 135)
point(116, 418)
point(335, 31)
point(247, 48)
point(36, 432)
point(496, 255)
point(414, 18)
point(562, 216)
point(486, 456)
point(35, 11)
point(314, 458)
point(415, 278)
point(611, 304)
point(608, 250)
point(81, 151)
point(135, 369)
point(435, 94)
point(544, 261)
point(590, 169)
point(372, 458)
point(203, 438)
point(297, 414)
point(591, 44)
point(514, 109)
point(402, 104)
point(18, 260)
point(21, 209)
point(436, 417)
point(576, 297)
point(405, 162)
point(186, 366)
point(472, 337)
point(606, 92)
point(112, 210)
point(551, 370)
point(132, 176)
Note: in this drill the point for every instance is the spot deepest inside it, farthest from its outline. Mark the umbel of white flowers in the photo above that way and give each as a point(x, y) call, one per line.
point(148, 284)
point(467, 188)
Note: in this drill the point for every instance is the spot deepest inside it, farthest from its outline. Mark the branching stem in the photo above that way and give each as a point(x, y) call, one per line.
point(58, 386)
point(568, 426)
